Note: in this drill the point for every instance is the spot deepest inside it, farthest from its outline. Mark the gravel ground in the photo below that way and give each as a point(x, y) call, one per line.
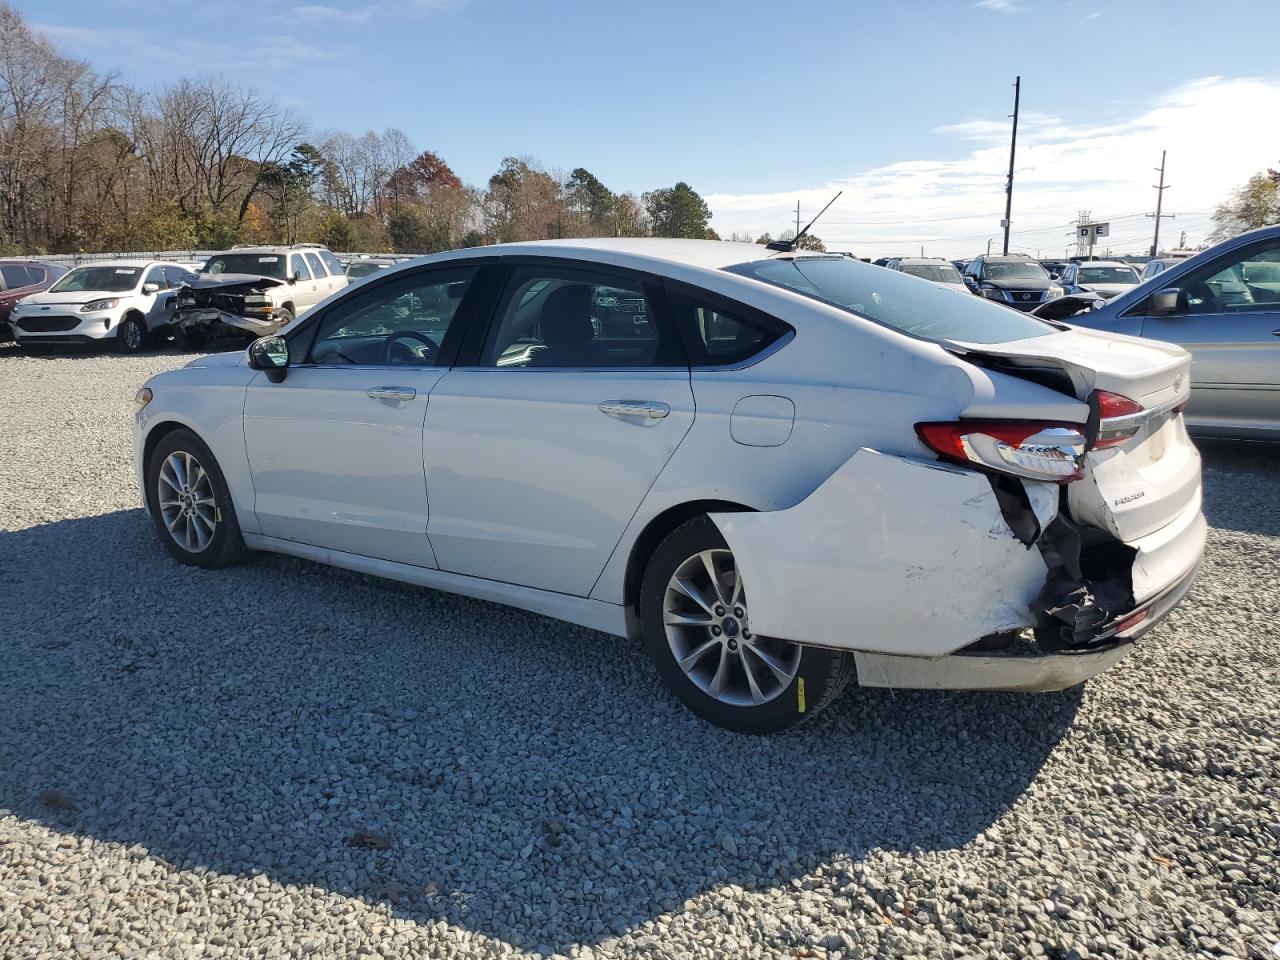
point(288, 760)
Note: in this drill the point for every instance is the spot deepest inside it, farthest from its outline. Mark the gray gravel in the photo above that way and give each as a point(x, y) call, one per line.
point(287, 760)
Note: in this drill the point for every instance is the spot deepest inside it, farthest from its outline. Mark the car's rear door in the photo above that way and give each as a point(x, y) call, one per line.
point(1229, 318)
point(542, 442)
point(335, 449)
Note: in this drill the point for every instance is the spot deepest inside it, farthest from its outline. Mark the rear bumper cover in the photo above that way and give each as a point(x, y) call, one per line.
point(908, 560)
point(1022, 668)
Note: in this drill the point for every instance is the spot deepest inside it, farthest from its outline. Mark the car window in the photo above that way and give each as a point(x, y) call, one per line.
point(156, 275)
point(331, 262)
point(721, 334)
point(299, 267)
point(317, 269)
point(925, 310)
point(1247, 281)
point(1107, 275)
point(177, 275)
point(550, 317)
point(17, 275)
point(401, 322)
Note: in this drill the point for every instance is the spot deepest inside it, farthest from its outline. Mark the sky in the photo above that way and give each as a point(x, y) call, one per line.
point(902, 105)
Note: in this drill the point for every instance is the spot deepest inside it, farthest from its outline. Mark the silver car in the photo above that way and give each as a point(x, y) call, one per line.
point(1224, 306)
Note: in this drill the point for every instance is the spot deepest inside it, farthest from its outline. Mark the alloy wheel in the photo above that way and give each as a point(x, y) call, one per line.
point(187, 504)
point(704, 613)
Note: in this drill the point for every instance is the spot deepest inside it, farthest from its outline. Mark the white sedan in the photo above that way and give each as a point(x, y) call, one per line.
point(781, 470)
point(121, 303)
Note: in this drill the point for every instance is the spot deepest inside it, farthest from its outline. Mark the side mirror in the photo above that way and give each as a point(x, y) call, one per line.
point(270, 355)
point(1166, 302)
point(150, 287)
point(295, 278)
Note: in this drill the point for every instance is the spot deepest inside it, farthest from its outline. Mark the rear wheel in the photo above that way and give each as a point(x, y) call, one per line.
point(695, 618)
point(190, 503)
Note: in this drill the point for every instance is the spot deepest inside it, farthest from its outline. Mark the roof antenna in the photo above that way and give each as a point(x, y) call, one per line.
point(789, 245)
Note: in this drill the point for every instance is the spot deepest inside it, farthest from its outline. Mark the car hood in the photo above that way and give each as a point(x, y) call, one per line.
point(1107, 290)
point(233, 358)
point(71, 297)
point(1015, 285)
point(214, 281)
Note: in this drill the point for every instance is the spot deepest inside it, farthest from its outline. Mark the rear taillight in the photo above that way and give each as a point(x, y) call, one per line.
point(1024, 448)
point(1118, 418)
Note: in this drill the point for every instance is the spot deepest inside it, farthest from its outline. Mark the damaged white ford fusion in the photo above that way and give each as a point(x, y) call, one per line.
point(784, 471)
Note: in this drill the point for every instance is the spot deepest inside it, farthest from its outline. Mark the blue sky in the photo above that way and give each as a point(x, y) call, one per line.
point(754, 104)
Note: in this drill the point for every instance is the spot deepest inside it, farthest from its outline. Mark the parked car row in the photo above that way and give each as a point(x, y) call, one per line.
point(248, 290)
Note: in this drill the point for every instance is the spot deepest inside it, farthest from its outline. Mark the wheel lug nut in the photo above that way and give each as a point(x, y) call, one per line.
point(739, 612)
point(746, 635)
point(715, 631)
point(719, 610)
point(733, 644)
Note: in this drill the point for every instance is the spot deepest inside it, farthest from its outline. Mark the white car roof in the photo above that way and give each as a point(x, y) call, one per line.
point(643, 251)
point(122, 263)
point(1104, 263)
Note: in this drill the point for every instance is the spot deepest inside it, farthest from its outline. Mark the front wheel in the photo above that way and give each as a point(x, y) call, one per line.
point(190, 503)
point(696, 623)
point(131, 335)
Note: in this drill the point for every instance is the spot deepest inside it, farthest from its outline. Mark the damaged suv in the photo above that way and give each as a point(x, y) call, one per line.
point(798, 471)
point(254, 291)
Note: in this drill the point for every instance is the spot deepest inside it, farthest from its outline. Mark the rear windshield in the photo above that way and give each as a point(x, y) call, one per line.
point(365, 269)
point(254, 264)
point(937, 272)
point(930, 311)
point(107, 279)
point(1108, 275)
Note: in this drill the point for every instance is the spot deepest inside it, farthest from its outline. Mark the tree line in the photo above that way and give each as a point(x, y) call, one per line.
point(89, 163)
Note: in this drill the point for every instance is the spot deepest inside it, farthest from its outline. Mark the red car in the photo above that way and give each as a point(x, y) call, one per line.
point(21, 278)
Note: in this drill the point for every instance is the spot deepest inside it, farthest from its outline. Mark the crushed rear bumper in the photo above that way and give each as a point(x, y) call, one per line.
point(911, 563)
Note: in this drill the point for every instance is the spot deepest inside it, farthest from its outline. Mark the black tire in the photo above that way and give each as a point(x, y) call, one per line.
point(226, 546)
point(187, 340)
point(284, 317)
point(131, 335)
point(820, 677)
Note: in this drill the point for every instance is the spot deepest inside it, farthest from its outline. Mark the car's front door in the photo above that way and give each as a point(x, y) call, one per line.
point(542, 443)
point(159, 305)
point(306, 288)
point(1228, 316)
point(335, 448)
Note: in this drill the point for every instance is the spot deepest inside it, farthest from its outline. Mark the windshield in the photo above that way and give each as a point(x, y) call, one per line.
point(255, 264)
point(365, 269)
point(109, 279)
point(1013, 271)
point(1108, 275)
point(937, 272)
point(887, 297)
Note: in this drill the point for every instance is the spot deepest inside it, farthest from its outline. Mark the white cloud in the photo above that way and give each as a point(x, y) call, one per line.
point(1000, 6)
point(1212, 129)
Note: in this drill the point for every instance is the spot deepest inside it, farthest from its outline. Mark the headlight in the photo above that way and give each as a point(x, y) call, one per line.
point(1055, 291)
point(991, 293)
point(97, 305)
point(142, 398)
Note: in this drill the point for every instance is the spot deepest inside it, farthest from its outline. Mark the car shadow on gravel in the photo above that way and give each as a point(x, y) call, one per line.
point(1242, 465)
point(459, 760)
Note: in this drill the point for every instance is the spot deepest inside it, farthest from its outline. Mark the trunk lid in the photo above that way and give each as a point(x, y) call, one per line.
point(1133, 489)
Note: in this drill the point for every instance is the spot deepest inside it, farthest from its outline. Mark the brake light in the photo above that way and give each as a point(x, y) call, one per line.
point(1117, 418)
point(1024, 448)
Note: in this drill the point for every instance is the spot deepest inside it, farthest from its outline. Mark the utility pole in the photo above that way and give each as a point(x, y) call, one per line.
point(797, 233)
point(1013, 149)
point(1160, 189)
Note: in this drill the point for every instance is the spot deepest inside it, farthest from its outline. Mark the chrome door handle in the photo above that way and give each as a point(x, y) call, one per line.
point(649, 409)
point(402, 394)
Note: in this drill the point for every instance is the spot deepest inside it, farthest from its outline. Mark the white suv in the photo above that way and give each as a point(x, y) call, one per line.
point(256, 289)
point(121, 301)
